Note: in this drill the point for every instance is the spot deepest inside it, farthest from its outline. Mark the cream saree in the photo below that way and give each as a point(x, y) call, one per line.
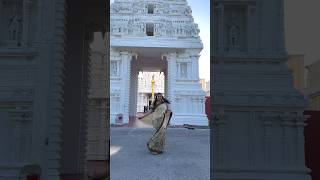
point(160, 119)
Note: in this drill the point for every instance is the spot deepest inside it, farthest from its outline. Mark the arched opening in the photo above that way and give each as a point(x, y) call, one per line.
point(149, 63)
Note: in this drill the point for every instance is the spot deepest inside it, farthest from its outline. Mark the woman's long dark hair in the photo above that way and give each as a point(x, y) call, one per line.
point(163, 100)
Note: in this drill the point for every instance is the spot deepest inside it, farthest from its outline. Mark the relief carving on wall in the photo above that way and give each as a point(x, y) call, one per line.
point(13, 22)
point(170, 20)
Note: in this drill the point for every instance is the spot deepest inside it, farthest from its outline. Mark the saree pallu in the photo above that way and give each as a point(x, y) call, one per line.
point(160, 119)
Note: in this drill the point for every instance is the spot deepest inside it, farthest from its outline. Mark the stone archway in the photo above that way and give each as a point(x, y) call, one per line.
point(147, 59)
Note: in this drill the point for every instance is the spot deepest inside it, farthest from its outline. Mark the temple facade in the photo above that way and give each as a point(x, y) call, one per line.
point(258, 117)
point(45, 100)
point(155, 36)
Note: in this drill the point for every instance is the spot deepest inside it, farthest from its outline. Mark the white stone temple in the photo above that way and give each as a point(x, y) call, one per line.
point(258, 118)
point(155, 36)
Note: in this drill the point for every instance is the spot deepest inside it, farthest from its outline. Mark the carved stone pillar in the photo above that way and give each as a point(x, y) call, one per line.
point(220, 34)
point(287, 124)
point(300, 124)
point(195, 62)
point(219, 123)
point(26, 21)
point(133, 88)
point(251, 24)
point(171, 58)
point(126, 73)
point(21, 118)
point(267, 119)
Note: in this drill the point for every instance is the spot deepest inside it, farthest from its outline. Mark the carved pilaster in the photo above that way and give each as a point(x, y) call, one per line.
point(281, 39)
point(195, 62)
point(251, 19)
point(300, 124)
point(21, 118)
point(287, 122)
point(267, 121)
point(26, 21)
point(220, 19)
point(219, 123)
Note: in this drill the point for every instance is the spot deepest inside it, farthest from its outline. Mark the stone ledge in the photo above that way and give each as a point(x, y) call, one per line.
point(17, 52)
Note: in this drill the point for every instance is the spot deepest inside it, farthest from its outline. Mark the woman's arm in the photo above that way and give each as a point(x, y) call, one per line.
point(146, 114)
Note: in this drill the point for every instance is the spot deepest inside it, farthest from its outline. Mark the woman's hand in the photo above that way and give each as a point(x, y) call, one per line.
point(147, 113)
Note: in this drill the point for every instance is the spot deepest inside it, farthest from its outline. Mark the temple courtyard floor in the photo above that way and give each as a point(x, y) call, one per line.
point(186, 156)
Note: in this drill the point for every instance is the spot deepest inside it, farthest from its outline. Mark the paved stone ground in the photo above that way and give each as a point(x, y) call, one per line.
point(186, 156)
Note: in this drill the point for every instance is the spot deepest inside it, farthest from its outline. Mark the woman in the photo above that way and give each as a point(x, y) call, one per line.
point(159, 116)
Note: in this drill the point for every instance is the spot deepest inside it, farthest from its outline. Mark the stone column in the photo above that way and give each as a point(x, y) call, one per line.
point(251, 24)
point(286, 127)
point(220, 17)
point(267, 139)
point(300, 123)
point(136, 91)
point(171, 75)
point(26, 21)
point(281, 32)
point(103, 133)
point(195, 62)
point(219, 122)
point(166, 82)
point(133, 89)
point(126, 73)
point(20, 118)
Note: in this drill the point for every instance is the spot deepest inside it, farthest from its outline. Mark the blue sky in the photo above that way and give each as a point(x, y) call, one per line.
point(201, 15)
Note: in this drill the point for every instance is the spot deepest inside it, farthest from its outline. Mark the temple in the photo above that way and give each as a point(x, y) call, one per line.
point(155, 36)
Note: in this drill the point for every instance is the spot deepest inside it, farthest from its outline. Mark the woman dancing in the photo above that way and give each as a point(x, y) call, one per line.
point(159, 116)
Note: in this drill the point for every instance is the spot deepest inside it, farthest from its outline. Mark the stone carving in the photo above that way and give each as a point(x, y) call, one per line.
point(14, 22)
point(114, 68)
point(171, 20)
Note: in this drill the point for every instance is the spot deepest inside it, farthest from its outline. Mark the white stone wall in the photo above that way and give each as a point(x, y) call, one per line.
point(120, 85)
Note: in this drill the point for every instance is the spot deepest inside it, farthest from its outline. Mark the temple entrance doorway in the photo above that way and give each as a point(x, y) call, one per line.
point(149, 83)
point(147, 76)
